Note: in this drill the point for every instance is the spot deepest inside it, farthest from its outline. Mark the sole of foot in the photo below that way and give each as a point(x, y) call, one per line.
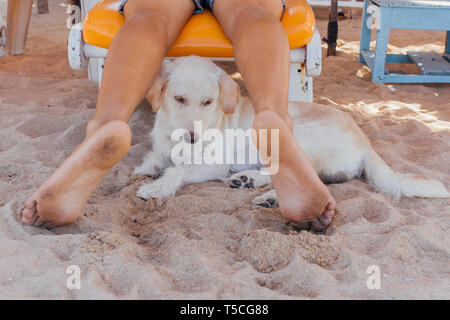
point(301, 195)
point(61, 198)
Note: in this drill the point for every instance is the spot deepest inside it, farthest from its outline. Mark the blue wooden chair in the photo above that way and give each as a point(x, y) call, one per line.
point(405, 14)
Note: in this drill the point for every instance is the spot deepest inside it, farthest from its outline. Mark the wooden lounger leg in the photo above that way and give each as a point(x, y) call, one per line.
point(447, 43)
point(3, 8)
point(332, 28)
point(42, 6)
point(18, 19)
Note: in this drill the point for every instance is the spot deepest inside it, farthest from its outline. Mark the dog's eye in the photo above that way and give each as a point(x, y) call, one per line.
point(207, 102)
point(180, 99)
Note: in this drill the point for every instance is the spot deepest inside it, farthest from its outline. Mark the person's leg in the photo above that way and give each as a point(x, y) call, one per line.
point(261, 52)
point(136, 55)
point(134, 59)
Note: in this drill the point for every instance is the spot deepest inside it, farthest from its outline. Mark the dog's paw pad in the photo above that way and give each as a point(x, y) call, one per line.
point(268, 203)
point(235, 183)
point(241, 182)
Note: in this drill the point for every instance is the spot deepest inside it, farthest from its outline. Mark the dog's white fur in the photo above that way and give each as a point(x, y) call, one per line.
point(333, 142)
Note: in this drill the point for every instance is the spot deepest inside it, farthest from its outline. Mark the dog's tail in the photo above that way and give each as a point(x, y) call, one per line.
point(385, 180)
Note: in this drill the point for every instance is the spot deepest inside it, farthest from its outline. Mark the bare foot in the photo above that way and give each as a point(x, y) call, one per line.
point(62, 197)
point(301, 195)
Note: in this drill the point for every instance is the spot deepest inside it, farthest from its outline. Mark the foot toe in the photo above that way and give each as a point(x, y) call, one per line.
point(28, 213)
point(317, 225)
point(329, 214)
point(323, 222)
point(30, 203)
point(331, 206)
point(28, 216)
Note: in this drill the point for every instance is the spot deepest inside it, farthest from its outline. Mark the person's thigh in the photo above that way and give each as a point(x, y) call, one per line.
point(136, 54)
point(227, 12)
point(172, 13)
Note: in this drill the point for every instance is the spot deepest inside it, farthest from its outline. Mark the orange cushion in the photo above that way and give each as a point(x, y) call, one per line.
point(202, 34)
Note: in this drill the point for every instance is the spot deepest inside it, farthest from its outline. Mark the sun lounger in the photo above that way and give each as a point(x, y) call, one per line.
point(405, 14)
point(89, 42)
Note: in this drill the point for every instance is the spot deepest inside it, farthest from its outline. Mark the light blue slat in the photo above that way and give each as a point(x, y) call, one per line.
point(398, 58)
point(430, 63)
point(420, 19)
point(447, 42)
point(413, 3)
point(369, 58)
point(412, 78)
point(382, 43)
point(365, 33)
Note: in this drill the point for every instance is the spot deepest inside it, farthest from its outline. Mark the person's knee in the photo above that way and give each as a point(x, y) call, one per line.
point(148, 23)
point(288, 121)
point(92, 126)
point(255, 18)
point(254, 14)
point(149, 18)
point(98, 122)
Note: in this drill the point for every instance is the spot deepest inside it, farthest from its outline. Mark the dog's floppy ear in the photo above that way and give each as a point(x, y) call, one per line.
point(229, 93)
point(156, 92)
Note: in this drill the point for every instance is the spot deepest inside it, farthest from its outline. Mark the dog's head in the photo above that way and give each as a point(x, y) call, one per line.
point(193, 89)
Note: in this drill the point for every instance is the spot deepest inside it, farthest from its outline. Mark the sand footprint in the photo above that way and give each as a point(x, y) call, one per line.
point(373, 210)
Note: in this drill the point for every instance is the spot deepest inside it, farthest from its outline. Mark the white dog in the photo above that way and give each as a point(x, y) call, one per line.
point(194, 89)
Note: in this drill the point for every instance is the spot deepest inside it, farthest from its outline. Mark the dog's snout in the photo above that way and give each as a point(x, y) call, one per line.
point(190, 137)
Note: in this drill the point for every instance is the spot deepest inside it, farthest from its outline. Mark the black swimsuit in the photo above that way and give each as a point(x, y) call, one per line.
point(200, 5)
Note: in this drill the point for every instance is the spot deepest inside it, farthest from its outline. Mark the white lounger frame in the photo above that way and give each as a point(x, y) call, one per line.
point(341, 3)
point(306, 62)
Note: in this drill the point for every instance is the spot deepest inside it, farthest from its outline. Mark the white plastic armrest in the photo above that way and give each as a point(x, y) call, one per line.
point(297, 55)
point(314, 55)
point(75, 48)
point(91, 51)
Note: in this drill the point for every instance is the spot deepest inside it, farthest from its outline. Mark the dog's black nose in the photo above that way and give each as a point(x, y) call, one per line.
point(192, 136)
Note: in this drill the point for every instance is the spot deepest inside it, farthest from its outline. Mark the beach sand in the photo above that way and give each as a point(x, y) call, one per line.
point(209, 241)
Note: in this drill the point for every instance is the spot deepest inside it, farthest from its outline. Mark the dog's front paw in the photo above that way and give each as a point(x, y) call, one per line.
point(248, 179)
point(154, 190)
point(239, 182)
point(266, 200)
